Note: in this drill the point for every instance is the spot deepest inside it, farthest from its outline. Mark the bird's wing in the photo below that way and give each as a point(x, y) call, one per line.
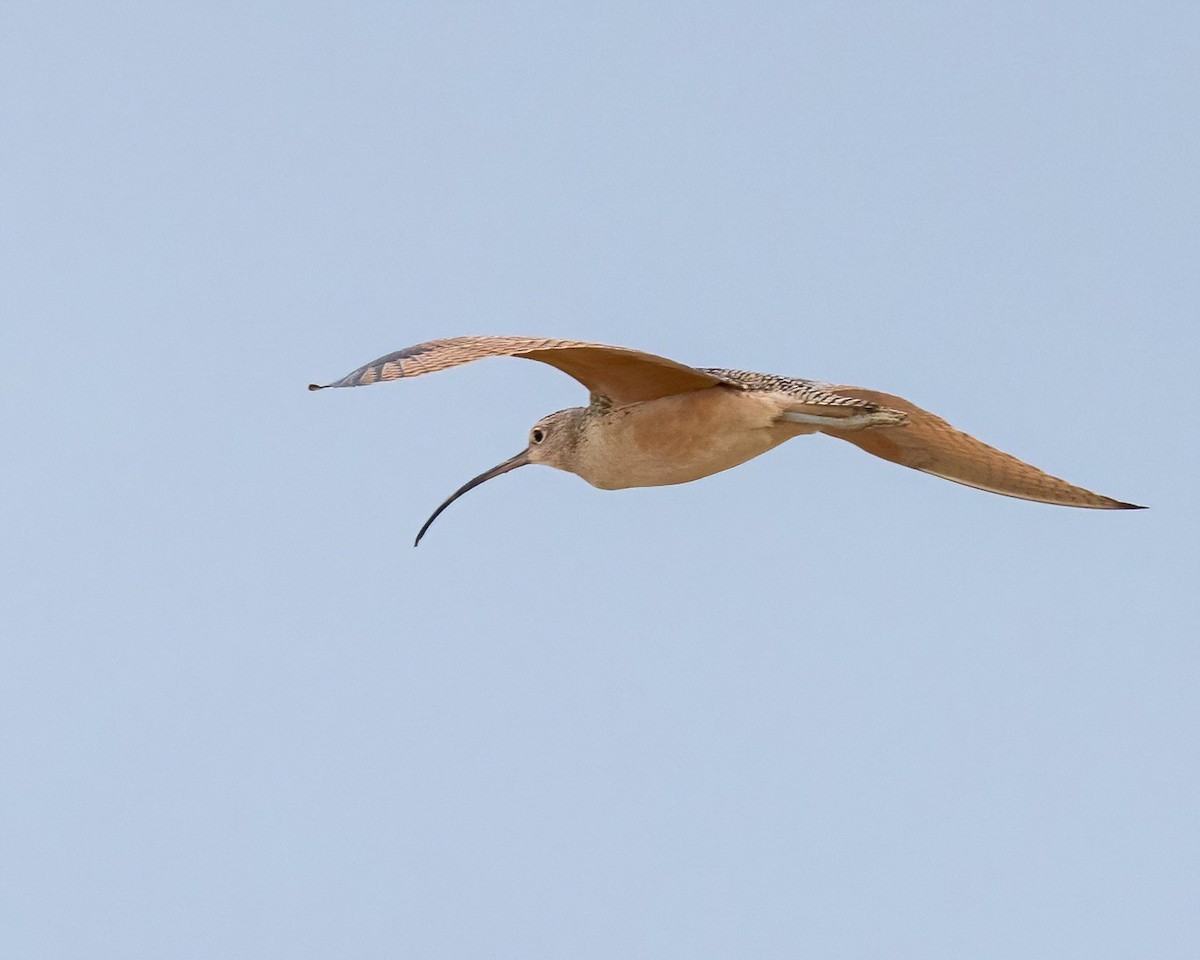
point(621, 375)
point(927, 442)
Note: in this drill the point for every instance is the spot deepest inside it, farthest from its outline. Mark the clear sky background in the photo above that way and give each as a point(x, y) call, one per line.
point(819, 706)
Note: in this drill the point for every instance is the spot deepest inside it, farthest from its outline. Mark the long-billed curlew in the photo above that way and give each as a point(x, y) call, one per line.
point(652, 421)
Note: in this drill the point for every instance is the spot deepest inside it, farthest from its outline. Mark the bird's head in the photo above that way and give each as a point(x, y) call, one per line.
point(553, 441)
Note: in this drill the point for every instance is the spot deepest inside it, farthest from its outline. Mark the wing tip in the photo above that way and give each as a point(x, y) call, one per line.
point(1122, 505)
point(317, 386)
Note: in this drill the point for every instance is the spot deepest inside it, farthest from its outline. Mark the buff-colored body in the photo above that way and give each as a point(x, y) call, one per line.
point(672, 440)
point(653, 421)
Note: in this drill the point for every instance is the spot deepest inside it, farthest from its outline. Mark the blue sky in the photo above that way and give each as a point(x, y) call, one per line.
point(818, 706)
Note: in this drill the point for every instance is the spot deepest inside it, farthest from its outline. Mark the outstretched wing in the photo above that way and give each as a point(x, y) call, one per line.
point(927, 442)
point(622, 375)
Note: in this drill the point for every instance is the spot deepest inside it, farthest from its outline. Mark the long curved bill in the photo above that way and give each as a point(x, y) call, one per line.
point(520, 460)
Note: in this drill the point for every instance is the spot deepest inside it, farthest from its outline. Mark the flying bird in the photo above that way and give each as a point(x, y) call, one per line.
point(651, 421)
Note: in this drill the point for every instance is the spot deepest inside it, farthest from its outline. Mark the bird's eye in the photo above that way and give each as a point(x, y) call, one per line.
point(538, 435)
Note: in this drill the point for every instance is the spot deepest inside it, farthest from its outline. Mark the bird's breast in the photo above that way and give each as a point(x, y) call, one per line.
point(677, 439)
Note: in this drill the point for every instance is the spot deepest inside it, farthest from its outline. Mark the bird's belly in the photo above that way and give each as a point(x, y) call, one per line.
point(678, 439)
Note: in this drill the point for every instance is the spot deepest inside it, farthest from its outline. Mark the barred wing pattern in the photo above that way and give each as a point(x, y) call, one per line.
point(928, 443)
point(801, 393)
point(619, 374)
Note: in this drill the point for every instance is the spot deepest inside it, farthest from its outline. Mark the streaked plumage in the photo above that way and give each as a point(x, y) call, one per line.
point(653, 421)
